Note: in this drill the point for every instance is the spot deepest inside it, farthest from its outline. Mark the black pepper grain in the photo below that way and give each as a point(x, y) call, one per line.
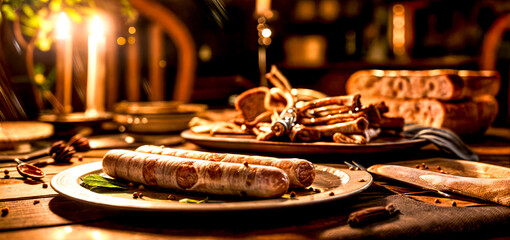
point(5, 211)
point(293, 194)
point(45, 185)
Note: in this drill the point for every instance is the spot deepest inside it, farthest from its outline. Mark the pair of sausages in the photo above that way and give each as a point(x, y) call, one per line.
point(301, 173)
point(212, 177)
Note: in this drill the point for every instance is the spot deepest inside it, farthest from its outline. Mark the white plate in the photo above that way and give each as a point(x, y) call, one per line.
point(333, 183)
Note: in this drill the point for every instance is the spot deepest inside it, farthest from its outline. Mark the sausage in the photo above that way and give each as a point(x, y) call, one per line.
point(196, 175)
point(352, 138)
point(301, 172)
point(348, 100)
point(314, 133)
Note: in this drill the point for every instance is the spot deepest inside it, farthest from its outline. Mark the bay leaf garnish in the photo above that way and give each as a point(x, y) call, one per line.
point(205, 200)
point(97, 182)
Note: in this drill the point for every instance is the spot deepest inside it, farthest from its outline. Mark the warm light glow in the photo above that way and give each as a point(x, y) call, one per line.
point(262, 6)
point(205, 53)
point(129, 139)
point(64, 52)
point(398, 22)
point(398, 9)
point(378, 73)
point(132, 30)
point(162, 63)
point(266, 32)
point(131, 40)
point(68, 229)
point(63, 27)
point(39, 78)
point(97, 235)
point(96, 27)
point(121, 41)
point(96, 69)
point(398, 31)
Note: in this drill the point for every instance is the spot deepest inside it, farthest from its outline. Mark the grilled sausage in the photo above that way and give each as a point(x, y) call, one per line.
point(301, 172)
point(196, 175)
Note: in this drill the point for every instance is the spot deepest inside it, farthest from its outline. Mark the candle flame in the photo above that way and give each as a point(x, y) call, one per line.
point(266, 32)
point(96, 27)
point(63, 26)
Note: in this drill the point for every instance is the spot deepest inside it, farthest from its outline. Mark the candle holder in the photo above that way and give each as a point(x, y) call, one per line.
point(94, 113)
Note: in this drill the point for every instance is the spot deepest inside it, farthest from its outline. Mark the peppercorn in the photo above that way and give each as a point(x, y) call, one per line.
point(293, 194)
point(45, 185)
point(5, 211)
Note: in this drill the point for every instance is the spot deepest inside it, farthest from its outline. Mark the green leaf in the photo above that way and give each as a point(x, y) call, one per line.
point(94, 181)
point(205, 200)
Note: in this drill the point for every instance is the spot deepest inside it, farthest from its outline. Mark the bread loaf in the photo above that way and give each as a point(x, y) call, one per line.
point(441, 84)
point(467, 117)
point(250, 103)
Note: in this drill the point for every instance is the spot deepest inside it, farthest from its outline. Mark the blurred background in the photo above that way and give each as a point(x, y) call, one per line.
point(214, 45)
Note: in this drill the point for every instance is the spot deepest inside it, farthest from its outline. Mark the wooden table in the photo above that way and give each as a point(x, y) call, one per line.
point(36, 211)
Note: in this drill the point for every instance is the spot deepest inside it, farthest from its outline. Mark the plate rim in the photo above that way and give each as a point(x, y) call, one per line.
point(66, 183)
point(302, 147)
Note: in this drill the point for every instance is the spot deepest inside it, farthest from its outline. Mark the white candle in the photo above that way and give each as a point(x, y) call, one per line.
point(96, 69)
point(64, 50)
point(262, 7)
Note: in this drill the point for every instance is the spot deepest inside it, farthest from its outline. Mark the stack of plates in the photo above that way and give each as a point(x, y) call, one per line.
point(156, 117)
